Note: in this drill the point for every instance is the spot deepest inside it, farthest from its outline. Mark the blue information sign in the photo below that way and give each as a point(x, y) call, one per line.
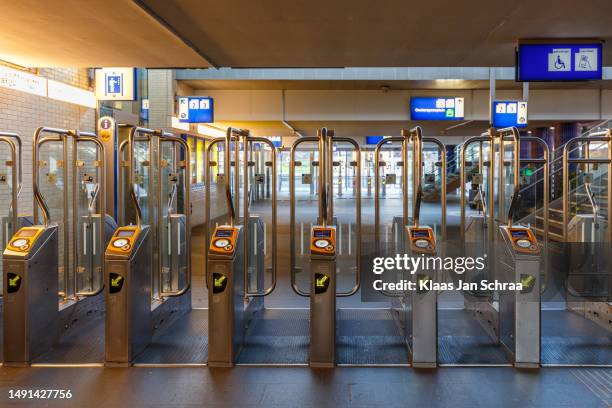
point(372, 140)
point(436, 108)
point(559, 62)
point(196, 109)
point(114, 84)
point(144, 109)
point(509, 113)
point(277, 141)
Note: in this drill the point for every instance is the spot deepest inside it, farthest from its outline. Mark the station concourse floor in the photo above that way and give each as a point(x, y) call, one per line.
point(304, 387)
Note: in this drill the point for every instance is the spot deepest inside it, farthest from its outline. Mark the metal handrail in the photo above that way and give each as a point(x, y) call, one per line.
point(592, 202)
point(169, 137)
point(560, 157)
point(377, 180)
point(322, 135)
point(272, 286)
point(247, 140)
point(207, 181)
point(416, 134)
point(84, 137)
point(39, 200)
point(14, 200)
point(463, 178)
point(545, 161)
point(515, 199)
point(443, 180)
point(122, 163)
point(357, 285)
point(19, 157)
point(605, 136)
point(294, 146)
point(232, 213)
point(131, 138)
point(60, 136)
point(377, 150)
point(325, 141)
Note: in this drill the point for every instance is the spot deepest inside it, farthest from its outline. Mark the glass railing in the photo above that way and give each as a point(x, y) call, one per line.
point(580, 190)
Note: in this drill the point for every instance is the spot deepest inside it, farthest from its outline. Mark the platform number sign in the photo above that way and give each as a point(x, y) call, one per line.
point(569, 60)
point(509, 113)
point(196, 109)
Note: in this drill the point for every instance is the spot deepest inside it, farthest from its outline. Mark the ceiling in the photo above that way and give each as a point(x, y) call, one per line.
point(295, 33)
point(359, 33)
point(76, 33)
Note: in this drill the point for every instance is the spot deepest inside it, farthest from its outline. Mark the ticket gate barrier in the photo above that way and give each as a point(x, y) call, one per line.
point(33, 253)
point(235, 263)
point(414, 136)
point(226, 296)
point(323, 296)
point(421, 328)
point(163, 173)
point(30, 294)
point(83, 210)
point(576, 323)
point(416, 309)
point(129, 326)
point(144, 269)
point(514, 254)
point(323, 249)
point(520, 310)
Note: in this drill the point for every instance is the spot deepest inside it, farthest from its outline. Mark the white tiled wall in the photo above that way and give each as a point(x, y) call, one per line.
point(22, 113)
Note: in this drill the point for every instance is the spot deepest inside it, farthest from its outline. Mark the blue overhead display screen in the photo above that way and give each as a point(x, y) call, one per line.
point(559, 62)
point(436, 108)
point(196, 109)
point(509, 113)
point(372, 140)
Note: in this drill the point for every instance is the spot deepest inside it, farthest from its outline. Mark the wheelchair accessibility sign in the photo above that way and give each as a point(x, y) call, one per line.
point(572, 60)
point(560, 59)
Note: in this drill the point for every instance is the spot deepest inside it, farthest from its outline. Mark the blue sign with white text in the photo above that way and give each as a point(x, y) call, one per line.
point(559, 62)
point(196, 109)
point(436, 108)
point(509, 113)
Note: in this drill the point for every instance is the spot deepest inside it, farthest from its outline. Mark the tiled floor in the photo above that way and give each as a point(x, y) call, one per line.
point(304, 387)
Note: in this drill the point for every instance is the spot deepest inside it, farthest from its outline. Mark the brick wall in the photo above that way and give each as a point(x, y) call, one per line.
point(22, 113)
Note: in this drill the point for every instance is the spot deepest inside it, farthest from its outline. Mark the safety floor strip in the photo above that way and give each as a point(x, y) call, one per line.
point(184, 341)
point(570, 339)
point(599, 381)
point(576, 350)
